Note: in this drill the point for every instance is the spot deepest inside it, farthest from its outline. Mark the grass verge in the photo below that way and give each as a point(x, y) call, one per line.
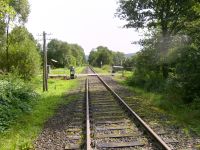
point(184, 115)
point(66, 70)
point(104, 69)
point(24, 131)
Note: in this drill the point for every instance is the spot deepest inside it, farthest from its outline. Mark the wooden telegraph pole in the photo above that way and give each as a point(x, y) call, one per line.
point(45, 73)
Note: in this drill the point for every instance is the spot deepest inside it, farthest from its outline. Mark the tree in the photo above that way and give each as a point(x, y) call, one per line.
point(129, 63)
point(104, 56)
point(23, 51)
point(78, 54)
point(170, 16)
point(193, 27)
point(92, 58)
point(5, 9)
point(21, 8)
point(184, 77)
point(66, 54)
point(15, 11)
point(118, 58)
point(100, 56)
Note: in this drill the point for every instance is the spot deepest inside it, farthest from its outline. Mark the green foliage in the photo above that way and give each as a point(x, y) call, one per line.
point(92, 58)
point(66, 54)
point(184, 78)
point(23, 55)
point(66, 70)
point(193, 26)
point(169, 15)
point(147, 71)
point(5, 9)
point(27, 127)
point(21, 8)
point(169, 62)
point(129, 63)
point(15, 98)
point(103, 56)
point(118, 58)
point(104, 69)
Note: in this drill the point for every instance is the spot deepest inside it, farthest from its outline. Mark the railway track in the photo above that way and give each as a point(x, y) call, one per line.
point(98, 119)
point(111, 124)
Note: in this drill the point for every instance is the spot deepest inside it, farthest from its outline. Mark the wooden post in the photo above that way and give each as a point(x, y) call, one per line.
point(45, 73)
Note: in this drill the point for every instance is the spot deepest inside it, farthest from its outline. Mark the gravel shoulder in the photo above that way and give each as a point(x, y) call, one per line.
point(54, 135)
point(158, 120)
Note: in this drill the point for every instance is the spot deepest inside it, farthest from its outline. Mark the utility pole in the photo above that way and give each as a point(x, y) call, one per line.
point(45, 73)
point(7, 45)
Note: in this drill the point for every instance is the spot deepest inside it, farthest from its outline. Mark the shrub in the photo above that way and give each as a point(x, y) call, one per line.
point(184, 79)
point(15, 98)
point(106, 68)
point(23, 54)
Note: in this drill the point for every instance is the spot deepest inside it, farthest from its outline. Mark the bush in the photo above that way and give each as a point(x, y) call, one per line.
point(184, 79)
point(107, 68)
point(148, 74)
point(15, 98)
point(23, 54)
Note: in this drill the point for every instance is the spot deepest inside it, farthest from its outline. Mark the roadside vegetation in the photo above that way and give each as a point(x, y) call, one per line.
point(24, 108)
point(167, 69)
point(27, 124)
point(66, 70)
point(185, 115)
point(105, 69)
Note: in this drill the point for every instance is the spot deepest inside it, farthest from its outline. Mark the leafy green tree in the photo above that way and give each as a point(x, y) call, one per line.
point(15, 12)
point(78, 54)
point(5, 9)
point(183, 81)
point(169, 15)
point(118, 58)
point(21, 8)
point(104, 56)
point(129, 63)
point(92, 58)
point(100, 56)
point(23, 51)
point(65, 54)
point(193, 27)
point(147, 71)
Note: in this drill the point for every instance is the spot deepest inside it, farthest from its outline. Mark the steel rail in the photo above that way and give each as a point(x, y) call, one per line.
point(88, 139)
point(161, 143)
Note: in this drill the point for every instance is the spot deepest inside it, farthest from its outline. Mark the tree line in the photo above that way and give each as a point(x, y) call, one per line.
point(21, 61)
point(103, 56)
point(62, 54)
point(20, 52)
point(169, 61)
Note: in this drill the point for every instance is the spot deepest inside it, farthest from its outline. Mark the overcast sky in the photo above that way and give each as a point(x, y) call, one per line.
point(89, 23)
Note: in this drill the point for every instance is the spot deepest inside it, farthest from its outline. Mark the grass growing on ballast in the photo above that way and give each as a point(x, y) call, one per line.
point(24, 130)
